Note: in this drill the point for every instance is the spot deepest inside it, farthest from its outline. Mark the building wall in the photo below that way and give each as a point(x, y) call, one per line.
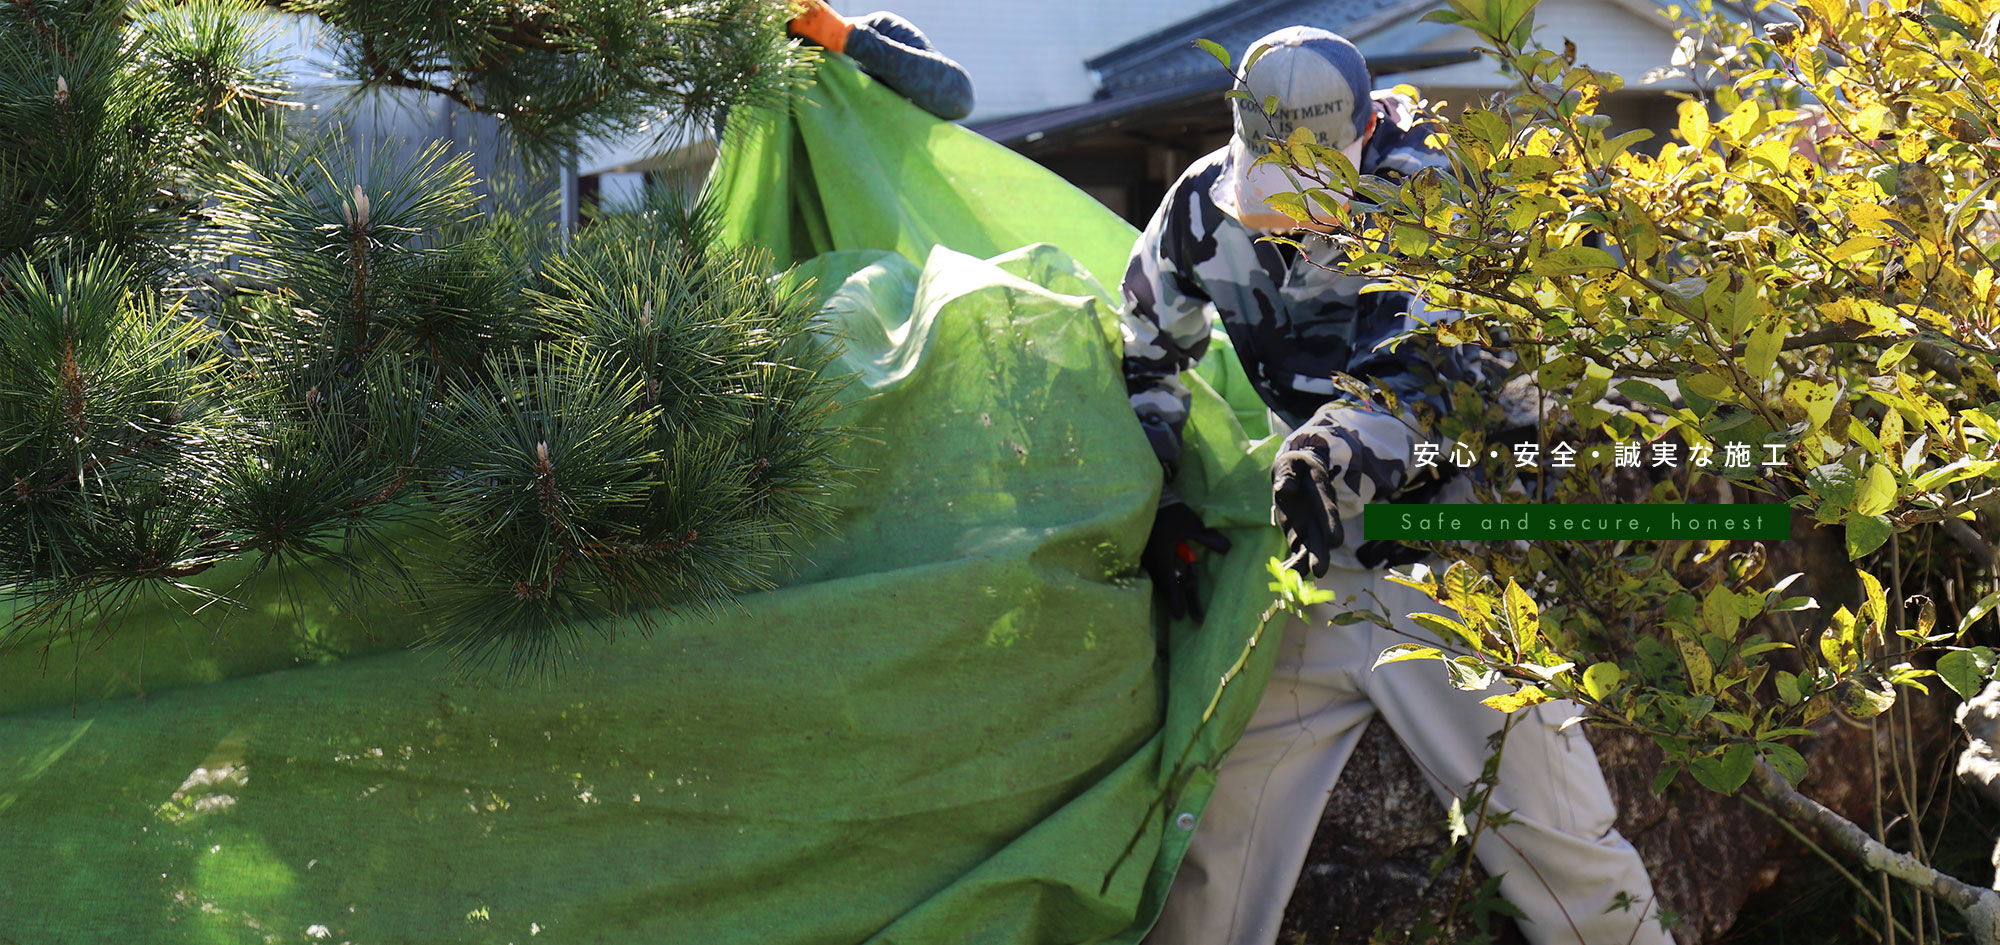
point(1026, 56)
point(401, 122)
point(1627, 37)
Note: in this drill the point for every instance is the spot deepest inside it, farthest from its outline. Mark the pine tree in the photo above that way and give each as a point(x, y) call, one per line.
point(223, 336)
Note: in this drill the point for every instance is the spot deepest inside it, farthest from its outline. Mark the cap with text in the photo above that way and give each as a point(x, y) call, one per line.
point(1319, 82)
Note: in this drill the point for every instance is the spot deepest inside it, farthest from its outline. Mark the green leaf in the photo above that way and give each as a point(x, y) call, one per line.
point(1785, 760)
point(1255, 54)
point(1447, 629)
point(1726, 773)
point(1720, 614)
point(1601, 679)
point(1788, 688)
point(1645, 393)
point(1760, 352)
point(1864, 695)
point(1867, 533)
point(1790, 604)
point(1407, 651)
point(1735, 720)
point(1834, 484)
point(1469, 673)
point(1977, 611)
point(1215, 49)
point(1572, 260)
point(1664, 778)
point(1709, 385)
point(1960, 670)
point(1877, 491)
point(1963, 467)
point(1682, 606)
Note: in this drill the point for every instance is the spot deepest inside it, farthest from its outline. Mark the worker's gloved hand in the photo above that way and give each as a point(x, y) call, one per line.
point(1327, 473)
point(817, 22)
point(1302, 493)
point(1169, 557)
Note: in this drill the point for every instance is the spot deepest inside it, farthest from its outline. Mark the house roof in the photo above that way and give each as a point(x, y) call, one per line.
point(1043, 130)
point(1169, 55)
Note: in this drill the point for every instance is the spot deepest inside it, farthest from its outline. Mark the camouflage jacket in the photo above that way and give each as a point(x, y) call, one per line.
point(1294, 321)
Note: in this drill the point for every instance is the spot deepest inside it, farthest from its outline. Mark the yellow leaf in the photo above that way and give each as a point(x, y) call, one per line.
point(1853, 245)
point(1710, 386)
point(1874, 608)
point(1876, 492)
point(1518, 699)
point(1742, 121)
point(1933, 412)
point(1893, 354)
point(1913, 147)
point(1890, 435)
point(1570, 260)
point(1701, 670)
point(1814, 398)
point(1871, 216)
point(1694, 123)
point(1523, 614)
point(1760, 353)
point(1869, 121)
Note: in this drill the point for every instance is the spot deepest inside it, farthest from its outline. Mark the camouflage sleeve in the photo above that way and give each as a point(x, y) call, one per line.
point(1399, 147)
point(1164, 324)
point(1333, 466)
point(1353, 452)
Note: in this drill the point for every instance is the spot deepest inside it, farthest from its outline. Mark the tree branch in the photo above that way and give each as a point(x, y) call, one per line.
point(1980, 907)
point(1979, 501)
point(1929, 355)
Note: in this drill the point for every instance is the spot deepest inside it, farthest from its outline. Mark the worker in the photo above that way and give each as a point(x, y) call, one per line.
point(1295, 321)
point(895, 52)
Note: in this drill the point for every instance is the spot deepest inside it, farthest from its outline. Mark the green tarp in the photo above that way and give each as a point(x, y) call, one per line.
point(958, 724)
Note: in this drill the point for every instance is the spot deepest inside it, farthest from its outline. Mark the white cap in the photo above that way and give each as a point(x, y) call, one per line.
point(1320, 82)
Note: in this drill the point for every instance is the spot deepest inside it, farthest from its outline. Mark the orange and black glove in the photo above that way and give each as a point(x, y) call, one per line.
point(818, 23)
point(1169, 556)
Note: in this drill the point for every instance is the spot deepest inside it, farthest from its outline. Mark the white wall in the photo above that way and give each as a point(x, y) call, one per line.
point(1026, 56)
point(1627, 37)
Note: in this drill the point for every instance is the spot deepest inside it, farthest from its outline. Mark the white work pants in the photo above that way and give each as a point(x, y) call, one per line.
point(1251, 843)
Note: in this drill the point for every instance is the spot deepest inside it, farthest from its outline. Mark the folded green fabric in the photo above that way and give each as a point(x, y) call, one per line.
point(957, 722)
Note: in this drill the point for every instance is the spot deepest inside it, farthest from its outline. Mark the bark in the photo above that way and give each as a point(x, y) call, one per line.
point(1981, 907)
point(1979, 763)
